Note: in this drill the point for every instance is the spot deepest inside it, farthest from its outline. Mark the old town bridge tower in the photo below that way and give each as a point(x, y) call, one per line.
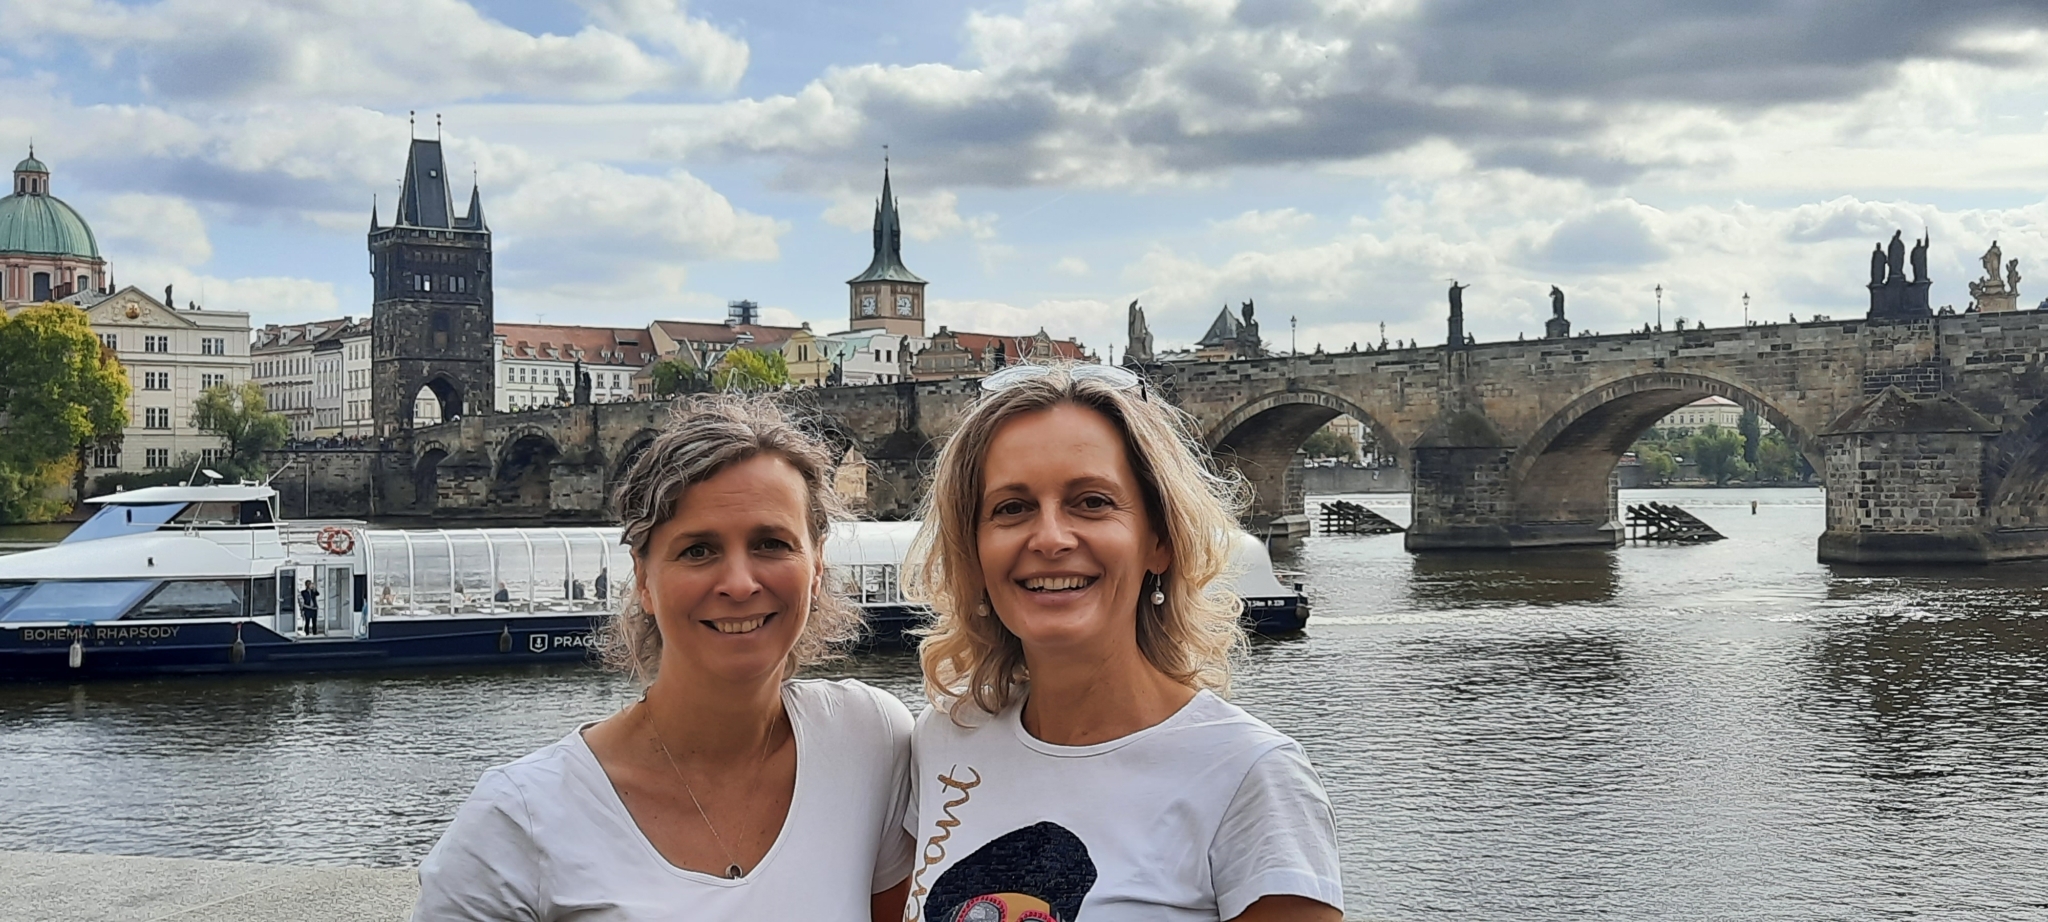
point(432, 328)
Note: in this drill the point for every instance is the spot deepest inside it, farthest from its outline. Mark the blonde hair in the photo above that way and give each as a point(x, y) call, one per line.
point(705, 435)
point(970, 659)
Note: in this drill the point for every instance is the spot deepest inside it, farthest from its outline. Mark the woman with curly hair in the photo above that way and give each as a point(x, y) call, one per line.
point(1077, 761)
point(730, 790)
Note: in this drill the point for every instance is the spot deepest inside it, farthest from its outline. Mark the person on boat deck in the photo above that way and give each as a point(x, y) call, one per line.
point(1077, 760)
point(502, 595)
point(730, 789)
point(309, 608)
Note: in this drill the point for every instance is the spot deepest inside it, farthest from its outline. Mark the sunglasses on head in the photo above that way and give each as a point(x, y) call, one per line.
point(1116, 377)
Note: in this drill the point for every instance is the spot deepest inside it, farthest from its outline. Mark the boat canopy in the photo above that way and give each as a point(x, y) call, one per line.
point(211, 493)
point(869, 557)
point(495, 570)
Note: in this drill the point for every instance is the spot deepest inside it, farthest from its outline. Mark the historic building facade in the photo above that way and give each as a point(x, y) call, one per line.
point(434, 331)
point(305, 372)
point(538, 363)
point(47, 251)
point(171, 356)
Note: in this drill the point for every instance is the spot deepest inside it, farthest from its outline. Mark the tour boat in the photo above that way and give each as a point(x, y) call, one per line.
point(206, 579)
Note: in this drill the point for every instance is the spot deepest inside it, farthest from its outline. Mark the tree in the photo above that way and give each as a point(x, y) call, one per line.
point(1718, 453)
point(1329, 443)
point(674, 376)
point(1657, 463)
point(1776, 459)
point(242, 418)
point(62, 393)
point(745, 369)
point(1752, 433)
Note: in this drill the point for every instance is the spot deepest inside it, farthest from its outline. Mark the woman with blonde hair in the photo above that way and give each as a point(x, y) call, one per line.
point(729, 790)
point(1077, 755)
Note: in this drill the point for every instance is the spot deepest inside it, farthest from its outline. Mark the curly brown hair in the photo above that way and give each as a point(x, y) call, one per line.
point(705, 435)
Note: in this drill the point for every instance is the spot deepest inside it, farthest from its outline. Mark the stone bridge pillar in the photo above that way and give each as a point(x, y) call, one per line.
point(1459, 493)
point(1908, 481)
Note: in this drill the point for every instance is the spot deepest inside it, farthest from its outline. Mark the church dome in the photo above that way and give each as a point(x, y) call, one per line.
point(43, 225)
point(31, 165)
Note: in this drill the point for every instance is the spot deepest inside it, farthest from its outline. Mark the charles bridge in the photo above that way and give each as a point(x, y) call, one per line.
point(1929, 433)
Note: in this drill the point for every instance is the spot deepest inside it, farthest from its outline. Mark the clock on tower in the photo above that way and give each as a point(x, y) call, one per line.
point(867, 305)
point(903, 306)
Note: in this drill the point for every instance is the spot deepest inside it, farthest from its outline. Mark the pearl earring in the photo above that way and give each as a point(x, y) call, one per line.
point(981, 607)
point(1159, 590)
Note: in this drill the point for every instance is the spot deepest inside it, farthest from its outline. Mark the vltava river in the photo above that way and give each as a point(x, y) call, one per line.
point(1731, 731)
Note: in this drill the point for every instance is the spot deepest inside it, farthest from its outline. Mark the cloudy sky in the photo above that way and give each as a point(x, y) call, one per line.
point(1336, 160)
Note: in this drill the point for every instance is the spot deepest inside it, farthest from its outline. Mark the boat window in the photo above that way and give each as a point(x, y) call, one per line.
point(256, 512)
point(116, 519)
point(78, 600)
point(210, 513)
point(11, 591)
point(263, 597)
point(194, 598)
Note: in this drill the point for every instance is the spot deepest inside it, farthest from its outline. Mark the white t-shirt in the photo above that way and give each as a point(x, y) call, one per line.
point(547, 837)
point(1193, 819)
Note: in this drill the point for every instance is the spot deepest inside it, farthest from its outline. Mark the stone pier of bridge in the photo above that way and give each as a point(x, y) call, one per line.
point(1929, 435)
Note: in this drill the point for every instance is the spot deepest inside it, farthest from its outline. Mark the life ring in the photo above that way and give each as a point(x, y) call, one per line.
point(335, 540)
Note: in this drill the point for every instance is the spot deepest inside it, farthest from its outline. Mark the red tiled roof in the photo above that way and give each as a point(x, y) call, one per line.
point(697, 331)
point(562, 343)
point(1015, 346)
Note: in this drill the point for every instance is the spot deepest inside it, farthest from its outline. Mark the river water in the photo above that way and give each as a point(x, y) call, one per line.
point(1727, 731)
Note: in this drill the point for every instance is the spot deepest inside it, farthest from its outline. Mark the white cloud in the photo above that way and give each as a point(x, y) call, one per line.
point(929, 216)
point(153, 226)
point(1070, 265)
point(390, 51)
point(1277, 222)
point(602, 211)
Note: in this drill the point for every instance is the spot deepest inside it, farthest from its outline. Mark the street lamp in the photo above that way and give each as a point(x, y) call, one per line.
point(1293, 340)
point(1660, 307)
point(1745, 308)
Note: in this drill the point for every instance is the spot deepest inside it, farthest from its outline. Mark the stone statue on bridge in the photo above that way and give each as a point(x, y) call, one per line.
point(1892, 297)
point(1139, 337)
point(1557, 327)
point(1992, 294)
point(1249, 344)
point(1457, 337)
point(582, 384)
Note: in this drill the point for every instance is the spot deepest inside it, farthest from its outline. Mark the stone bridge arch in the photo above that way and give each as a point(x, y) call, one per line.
point(447, 394)
point(1259, 439)
point(1560, 480)
point(628, 452)
point(426, 474)
point(523, 476)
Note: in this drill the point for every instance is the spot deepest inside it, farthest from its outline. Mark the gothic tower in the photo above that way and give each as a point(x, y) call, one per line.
point(432, 326)
point(887, 297)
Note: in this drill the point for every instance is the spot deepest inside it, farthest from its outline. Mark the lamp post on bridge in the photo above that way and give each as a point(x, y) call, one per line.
point(1745, 309)
point(1660, 307)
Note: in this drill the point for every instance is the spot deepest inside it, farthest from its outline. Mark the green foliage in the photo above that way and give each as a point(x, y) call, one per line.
point(1751, 429)
point(61, 394)
point(1329, 443)
point(674, 376)
point(180, 471)
point(745, 369)
point(1657, 463)
point(1777, 460)
point(1718, 453)
point(243, 420)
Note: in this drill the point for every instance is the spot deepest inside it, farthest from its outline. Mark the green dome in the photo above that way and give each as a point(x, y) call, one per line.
point(43, 225)
point(31, 165)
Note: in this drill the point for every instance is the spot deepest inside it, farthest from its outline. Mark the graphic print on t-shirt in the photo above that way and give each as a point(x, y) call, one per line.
point(1039, 873)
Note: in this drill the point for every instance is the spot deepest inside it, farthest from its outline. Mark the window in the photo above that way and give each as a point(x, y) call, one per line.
point(156, 344)
point(206, 381)
point(110, 340)
point(82, 600)
point(156, 380)
point(106, 456)
point(156, 418)
point(156, 458)
point(213, 345)
point(212, 455)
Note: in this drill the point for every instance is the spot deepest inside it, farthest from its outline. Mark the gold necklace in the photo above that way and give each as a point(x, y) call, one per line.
point(732, 867)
